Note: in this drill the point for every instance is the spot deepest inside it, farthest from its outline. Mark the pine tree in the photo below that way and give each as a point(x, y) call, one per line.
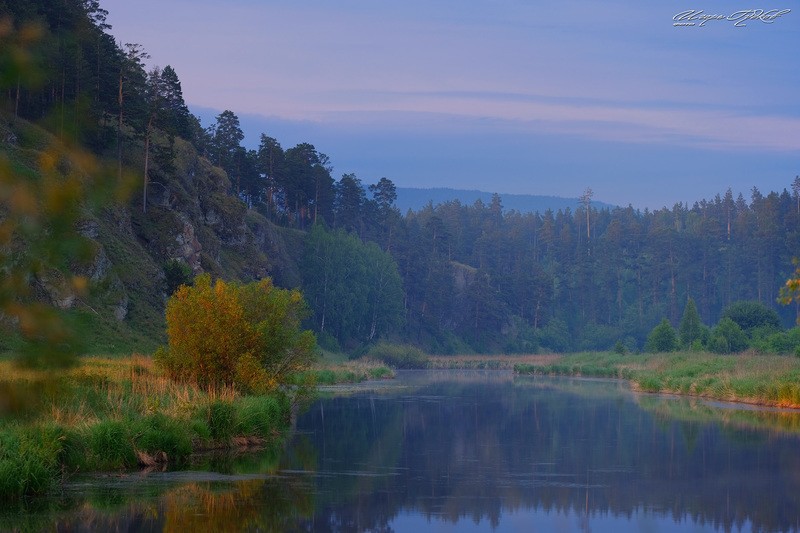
point(690, 328)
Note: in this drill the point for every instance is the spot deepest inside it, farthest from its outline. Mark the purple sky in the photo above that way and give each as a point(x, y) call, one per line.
point(516, 96)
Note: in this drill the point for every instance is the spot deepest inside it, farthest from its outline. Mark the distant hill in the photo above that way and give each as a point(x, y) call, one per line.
point(415, 199)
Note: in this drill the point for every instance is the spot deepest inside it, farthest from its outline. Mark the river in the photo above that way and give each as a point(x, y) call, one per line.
point(470, 451)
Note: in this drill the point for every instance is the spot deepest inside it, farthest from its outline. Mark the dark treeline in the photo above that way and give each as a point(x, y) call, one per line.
point(60, 67)
point(449, 277)
point(584, 279)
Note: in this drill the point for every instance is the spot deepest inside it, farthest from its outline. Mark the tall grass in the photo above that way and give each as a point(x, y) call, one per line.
point(757, 379)
point(354, 371)
point(399, 355)
point(112, 414)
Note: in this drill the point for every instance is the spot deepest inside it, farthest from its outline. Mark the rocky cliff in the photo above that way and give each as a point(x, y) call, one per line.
point(190, 218)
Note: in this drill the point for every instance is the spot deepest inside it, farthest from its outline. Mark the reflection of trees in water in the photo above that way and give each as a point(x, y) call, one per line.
point(740, 417)
point(497, 449)
point(475, 451)
point(273, 504)
point(221, 495)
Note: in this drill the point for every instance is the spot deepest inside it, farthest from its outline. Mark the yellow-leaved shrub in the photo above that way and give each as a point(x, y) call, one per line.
point(243, 335)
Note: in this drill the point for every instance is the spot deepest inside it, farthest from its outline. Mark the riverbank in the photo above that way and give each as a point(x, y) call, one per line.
point(769, 380)
point(332, 370)
point(487, 362)
point(119, 414)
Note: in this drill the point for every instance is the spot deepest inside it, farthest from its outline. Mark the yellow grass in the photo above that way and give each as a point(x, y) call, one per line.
point(131, 384)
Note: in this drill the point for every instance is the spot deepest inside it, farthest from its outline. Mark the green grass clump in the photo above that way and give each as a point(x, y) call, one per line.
point(526, 368)
point(399, 356)
point(221, 419)
point(29, 459)
point(111, 445)
point(261, 415)
point(157, 433)
point(606, 365)
point(650, 384)
point(333, 371)
point(381, 373)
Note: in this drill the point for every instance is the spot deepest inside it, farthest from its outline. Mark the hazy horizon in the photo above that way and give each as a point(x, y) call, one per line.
point(501, 96)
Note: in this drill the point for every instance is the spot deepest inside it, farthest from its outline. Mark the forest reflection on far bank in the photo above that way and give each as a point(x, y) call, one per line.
point(481, 447)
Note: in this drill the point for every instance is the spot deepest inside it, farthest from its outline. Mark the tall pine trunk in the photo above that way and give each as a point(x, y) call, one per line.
point(146, 163)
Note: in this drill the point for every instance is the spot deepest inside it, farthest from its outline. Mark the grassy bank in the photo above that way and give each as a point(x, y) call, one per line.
point(332, 371)
point(757, 379)
point(117, 414)
point(486, 362)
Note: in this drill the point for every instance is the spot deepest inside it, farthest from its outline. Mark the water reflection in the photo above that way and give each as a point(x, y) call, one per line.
point(475, 450)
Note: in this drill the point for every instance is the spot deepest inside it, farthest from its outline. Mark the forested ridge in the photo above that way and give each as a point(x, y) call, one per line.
point(449, 277)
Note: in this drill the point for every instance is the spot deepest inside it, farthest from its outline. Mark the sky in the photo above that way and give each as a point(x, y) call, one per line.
point(512, 96)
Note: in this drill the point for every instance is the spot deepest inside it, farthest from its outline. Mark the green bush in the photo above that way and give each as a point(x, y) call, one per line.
point(719, 344)
point(751, 315)
point(399, 356)
point(176, 273)
point(727, 337)
point(662, 338)
point(767, 340)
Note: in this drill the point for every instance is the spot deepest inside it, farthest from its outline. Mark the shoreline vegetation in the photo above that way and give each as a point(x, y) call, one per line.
point(765, 380)
point(120, 414)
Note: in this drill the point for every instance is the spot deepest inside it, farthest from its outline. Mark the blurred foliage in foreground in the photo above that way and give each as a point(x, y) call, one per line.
point(44, 195)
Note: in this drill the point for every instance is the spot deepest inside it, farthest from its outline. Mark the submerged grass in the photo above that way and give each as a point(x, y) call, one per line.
point(115, 414)
point(757, 379)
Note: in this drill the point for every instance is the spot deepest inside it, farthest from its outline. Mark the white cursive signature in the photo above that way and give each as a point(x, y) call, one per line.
point(698, 17)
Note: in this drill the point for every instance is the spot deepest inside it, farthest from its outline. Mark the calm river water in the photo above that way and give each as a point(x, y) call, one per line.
point(472, 451)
